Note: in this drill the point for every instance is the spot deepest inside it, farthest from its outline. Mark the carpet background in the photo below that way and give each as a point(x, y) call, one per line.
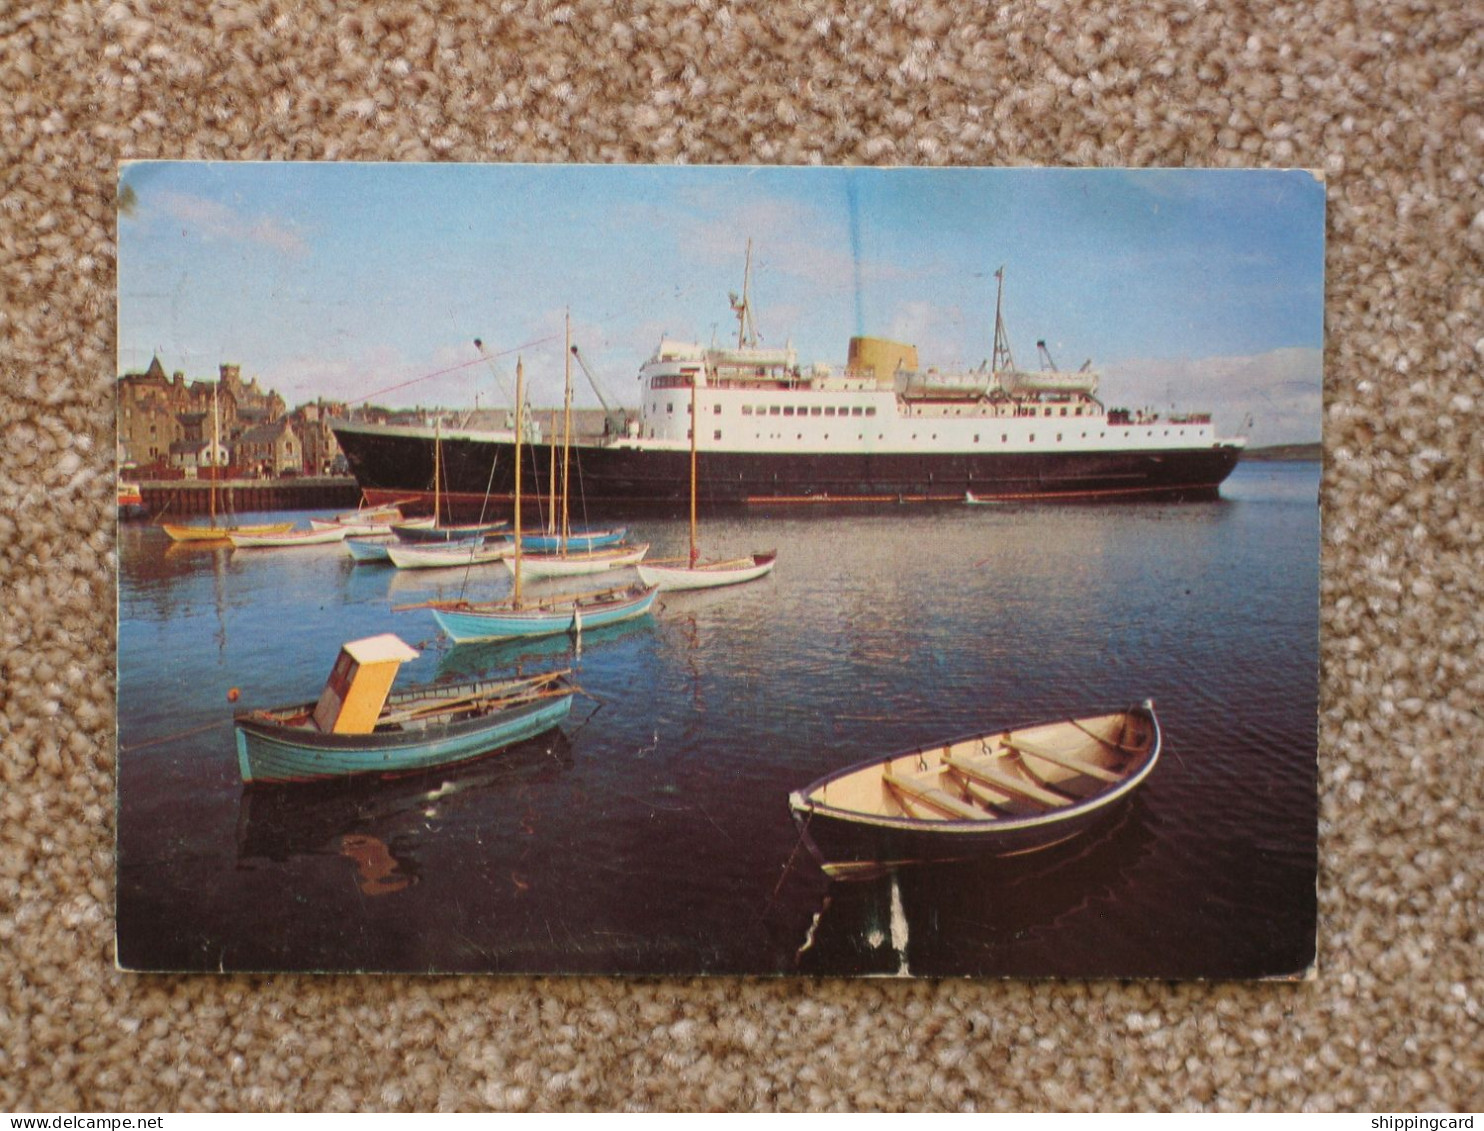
point(1385, 99)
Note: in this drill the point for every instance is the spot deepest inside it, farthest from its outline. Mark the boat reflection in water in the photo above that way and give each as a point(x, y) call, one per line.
point(464, 661)
point(380, 824)
point(915, 920)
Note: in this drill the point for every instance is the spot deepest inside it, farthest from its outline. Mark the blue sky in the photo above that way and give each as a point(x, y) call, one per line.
point(1201, 288)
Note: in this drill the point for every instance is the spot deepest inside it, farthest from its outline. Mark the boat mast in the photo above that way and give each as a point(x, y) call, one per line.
point(520, 389)
point(694, 551)
point(437, 459)
point(551, 516)
point(1000, 358)
point(567, 443)
point(216, 446)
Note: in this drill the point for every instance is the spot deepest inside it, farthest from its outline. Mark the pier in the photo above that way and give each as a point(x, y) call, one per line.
point(182, 497)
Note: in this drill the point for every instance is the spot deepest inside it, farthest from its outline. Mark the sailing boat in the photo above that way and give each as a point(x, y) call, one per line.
point(183, 532)
point(696, 574)
point(438, 530)
point(431, 546)
point(466, 621)
point(569, 560)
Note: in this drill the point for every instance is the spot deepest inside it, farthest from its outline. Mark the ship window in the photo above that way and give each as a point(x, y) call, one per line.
point(857, 411)
point(670, 408)
point(1004, 437)
point(747, 410)
point(871, 410)
point(1058, 437)
point(716, 435)
point(774, 410)
point(815, 410)
point(1079, 410)
point(829, 410)
point(1032, 437)
point(976, 437)
point(718, 410)
point(788, 410)
point(801, 435)
point(1064, 410)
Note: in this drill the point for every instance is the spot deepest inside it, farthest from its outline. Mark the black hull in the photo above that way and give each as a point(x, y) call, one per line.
point(397, 466)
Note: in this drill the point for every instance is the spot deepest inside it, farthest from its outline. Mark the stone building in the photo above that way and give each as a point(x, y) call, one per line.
point(312, 423)
point(156, 411)
point(269, 449)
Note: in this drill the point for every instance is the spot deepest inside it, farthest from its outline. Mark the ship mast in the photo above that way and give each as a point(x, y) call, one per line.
point(746, 328)
point(1001, 358)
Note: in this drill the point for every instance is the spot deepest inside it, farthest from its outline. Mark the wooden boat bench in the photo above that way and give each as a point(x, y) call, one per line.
point(1065, 761)
point(933, 797)
point(979, 770)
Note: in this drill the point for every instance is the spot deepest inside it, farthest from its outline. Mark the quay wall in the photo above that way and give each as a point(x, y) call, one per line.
point(193, 496)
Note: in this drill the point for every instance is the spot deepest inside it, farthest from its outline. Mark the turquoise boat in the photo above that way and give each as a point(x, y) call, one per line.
point(356, 728)
point(576, 540)
point(466, 622)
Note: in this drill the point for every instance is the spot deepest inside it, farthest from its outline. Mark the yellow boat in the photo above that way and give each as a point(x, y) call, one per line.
point(181, 532)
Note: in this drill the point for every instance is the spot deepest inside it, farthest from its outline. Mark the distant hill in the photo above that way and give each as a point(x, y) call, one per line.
point(1294, 452)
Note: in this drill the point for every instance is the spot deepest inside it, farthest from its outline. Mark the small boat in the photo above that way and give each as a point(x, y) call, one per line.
point(693, 572)
point(180, 532)
point(707, 575)
point(467, 622)
point(997, 794)
point(372, 548)
point(131, 501)
point(440, 555)
point(368, 527)
point(284, 539)
point(357, 728)
point(429, 532)
point(576, 563)
point(588, 539)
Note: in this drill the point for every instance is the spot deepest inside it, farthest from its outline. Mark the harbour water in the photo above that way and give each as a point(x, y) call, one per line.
point(652, 834)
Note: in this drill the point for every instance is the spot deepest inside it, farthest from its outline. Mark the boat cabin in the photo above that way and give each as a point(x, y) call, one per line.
point(359, 683)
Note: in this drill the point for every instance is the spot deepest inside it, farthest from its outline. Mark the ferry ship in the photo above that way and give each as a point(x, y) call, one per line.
point(773, 432)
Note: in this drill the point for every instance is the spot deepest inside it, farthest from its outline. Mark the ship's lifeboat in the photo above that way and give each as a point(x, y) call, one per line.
point(1023, 382)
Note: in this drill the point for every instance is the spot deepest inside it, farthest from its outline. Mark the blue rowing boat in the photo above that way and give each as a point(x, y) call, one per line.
point(466, 622)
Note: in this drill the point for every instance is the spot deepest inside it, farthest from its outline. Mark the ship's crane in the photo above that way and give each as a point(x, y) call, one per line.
point(615, 419)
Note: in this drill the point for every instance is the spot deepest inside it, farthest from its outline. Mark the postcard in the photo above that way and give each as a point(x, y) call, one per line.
point(676, 570)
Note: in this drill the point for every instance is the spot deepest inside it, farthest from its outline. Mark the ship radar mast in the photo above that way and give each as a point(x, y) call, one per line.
point(1001, 358)
point(742, 308)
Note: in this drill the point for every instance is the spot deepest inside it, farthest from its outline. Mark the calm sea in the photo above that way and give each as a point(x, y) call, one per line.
point(652, 835)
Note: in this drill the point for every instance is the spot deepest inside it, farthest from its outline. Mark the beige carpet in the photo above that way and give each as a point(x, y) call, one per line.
point(1386, 99)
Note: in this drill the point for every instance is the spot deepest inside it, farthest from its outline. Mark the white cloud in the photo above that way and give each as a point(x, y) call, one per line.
point(1282, 391)
point(214, 220)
